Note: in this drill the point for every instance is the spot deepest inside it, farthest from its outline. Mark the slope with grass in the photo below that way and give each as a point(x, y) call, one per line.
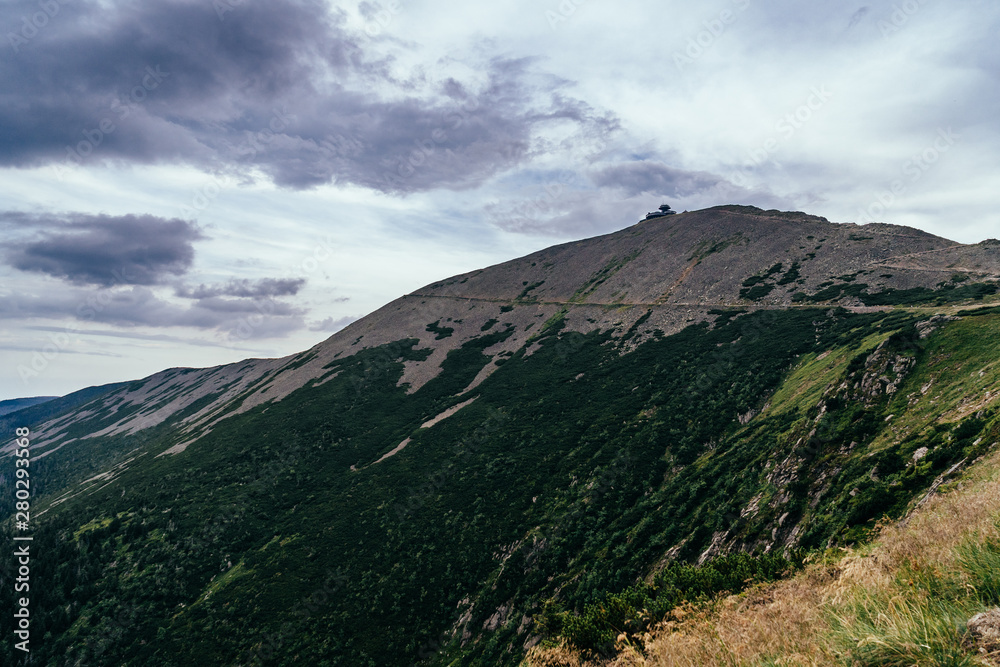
point(856, 433)
point(583, 429)
point(905, 598)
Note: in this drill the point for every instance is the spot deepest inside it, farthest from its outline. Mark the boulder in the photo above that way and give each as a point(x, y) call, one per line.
point(985, 629)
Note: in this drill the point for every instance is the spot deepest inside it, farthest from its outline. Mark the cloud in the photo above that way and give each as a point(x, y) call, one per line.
point(331, 325)
point(655, 178)
point(110, 333)
point(252, 289)
point(858, 16)
point(119, 269)
point(613, 196)
point(140, 306)
point(103, 250)
point(283, 88)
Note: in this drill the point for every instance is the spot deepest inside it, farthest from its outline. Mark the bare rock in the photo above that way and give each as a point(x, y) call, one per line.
point(927, 327)
point(498, 618)
point(985, 629)
point(883, 373)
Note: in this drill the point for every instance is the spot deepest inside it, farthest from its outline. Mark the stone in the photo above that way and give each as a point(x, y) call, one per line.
point(985, 629)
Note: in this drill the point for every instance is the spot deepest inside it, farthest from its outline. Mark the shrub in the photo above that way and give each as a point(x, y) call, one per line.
point(642, 605)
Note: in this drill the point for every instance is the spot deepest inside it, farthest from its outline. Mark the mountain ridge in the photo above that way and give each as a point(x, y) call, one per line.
point(472, 470)
point(15, 404)
point(702, 273)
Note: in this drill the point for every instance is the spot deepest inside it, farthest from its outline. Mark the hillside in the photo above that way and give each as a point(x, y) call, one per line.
point(465, 473)
point(924, 592)
point(675, 269)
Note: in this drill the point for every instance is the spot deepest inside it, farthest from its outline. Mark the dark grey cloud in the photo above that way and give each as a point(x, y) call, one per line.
point(231, 319)
point(253, 289)
point(655, 178)
point(112, 262)
point(103, 250)
point(282, 87)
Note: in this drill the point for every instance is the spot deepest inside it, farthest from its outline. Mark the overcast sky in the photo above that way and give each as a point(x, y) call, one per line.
point(193, 182)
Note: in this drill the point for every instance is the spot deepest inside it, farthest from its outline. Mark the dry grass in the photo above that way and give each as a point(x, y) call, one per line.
point(901, 600)
point(777, 621)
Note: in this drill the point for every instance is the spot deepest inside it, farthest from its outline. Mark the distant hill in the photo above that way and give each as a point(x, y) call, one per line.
point(15, 404)
point(484, 464)
point(34, 415)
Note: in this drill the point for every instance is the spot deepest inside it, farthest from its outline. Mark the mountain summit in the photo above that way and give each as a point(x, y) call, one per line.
point(467, 471)
point(669, 272)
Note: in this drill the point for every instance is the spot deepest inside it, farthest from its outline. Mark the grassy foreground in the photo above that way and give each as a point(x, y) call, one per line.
point(902, 599)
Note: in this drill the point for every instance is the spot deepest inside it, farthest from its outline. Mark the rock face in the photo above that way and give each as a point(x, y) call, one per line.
point(985, 629)
point(884, 371)
point(927, 327)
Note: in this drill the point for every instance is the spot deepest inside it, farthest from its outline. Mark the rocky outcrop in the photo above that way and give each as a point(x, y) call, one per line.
point(927, 327)
point(985, 630)
point(884, 371)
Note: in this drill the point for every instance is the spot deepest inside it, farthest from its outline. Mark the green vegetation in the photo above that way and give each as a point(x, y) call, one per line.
point(791, 275)
point(981, 561)
point(758, 286)
point(39, 413)
point(442, 332)
point(755, 280)
point(903, 599)
point(837, 291)
point(976, 312)
point(756, 292)
point(552, 325)
point(524, 295)
point(643, 605)
point(927, 626)
point(561, 487)
point(634, 329)
point(601, 276)
point(921, 295)
point(945, 294)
